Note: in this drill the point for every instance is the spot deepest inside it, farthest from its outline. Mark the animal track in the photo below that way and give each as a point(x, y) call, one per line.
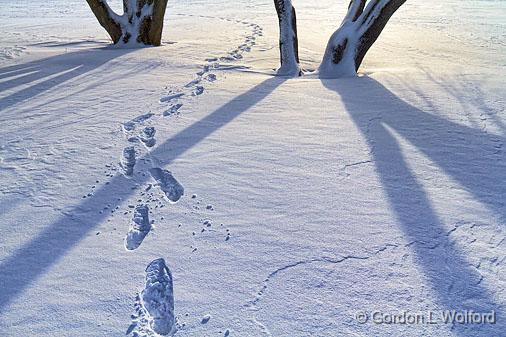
point(139, 228)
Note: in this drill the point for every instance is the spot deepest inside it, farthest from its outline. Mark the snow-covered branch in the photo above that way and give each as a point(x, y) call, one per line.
point(355, 8)
point(359, 30)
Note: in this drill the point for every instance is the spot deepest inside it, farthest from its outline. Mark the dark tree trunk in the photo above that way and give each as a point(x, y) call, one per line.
point(288, 41)
point(359, 30)
point(141, 22)
point(103, 14)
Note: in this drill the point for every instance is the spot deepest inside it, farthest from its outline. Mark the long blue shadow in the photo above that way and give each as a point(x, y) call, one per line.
point(45, 74)
point(456, 284)
point(34, 258)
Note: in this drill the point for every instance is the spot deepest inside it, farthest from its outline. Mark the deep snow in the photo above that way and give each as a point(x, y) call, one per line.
point(305, 201)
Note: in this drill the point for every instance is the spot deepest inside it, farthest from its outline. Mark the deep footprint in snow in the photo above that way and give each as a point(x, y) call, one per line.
point(204, 70)
point(139, 228)
point(173, 109)
point(127, 161)
point(158, 297)
point(155, 304)
point(199, 90)
point(168, 184)
point(169, 98)
point(192, 83)
point(130, 125)
point(211, 77)
point(147, 136)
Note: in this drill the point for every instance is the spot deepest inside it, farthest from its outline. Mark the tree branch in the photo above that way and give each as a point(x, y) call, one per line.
point(104, 15)
point(373, 21)
point(355, 9)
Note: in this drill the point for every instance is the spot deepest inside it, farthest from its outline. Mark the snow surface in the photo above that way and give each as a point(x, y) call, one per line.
point(306, 200)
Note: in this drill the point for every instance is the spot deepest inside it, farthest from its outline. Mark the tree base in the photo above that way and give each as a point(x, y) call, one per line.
point(141, 23)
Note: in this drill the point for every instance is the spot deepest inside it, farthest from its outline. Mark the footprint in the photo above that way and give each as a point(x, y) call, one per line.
point(168, 184)
point(127, 161)
point(192, 83)
point(139, 228)
point(169, 98)
point(155, 304)
point(211, 77)
point(199, 90)
point(148, 136)
point(205, 319)
point(173, 109)
point(130, 125)
point(204, 70)
point(227, 58)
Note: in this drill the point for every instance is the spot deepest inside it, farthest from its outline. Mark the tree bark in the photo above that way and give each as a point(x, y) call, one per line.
point(288, 41)
point(105, 18)
point(359, 30)
point(141, 22)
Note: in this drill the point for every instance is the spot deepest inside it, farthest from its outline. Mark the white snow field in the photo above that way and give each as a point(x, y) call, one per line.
point(298, 206)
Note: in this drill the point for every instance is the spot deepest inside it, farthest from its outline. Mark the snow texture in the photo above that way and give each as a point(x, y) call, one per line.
point(378, 192)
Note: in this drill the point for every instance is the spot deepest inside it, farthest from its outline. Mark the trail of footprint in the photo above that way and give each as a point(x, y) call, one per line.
point(155, 304)
point(195, 86)
point(139, 228)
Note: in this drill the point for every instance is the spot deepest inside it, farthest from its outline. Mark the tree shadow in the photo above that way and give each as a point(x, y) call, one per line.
point(43, 75)
point(467, 155)
point(34, 258)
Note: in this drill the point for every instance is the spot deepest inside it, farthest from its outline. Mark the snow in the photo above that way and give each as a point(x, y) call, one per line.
point(329, 198)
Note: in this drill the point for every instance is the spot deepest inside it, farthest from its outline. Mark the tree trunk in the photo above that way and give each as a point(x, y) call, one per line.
point(359, 30)
point(288, 42)
point(141, 22)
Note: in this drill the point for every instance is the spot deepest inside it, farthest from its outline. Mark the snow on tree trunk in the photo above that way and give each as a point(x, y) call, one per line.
point(141, 22)
point(359, 30)
point(288, 42)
